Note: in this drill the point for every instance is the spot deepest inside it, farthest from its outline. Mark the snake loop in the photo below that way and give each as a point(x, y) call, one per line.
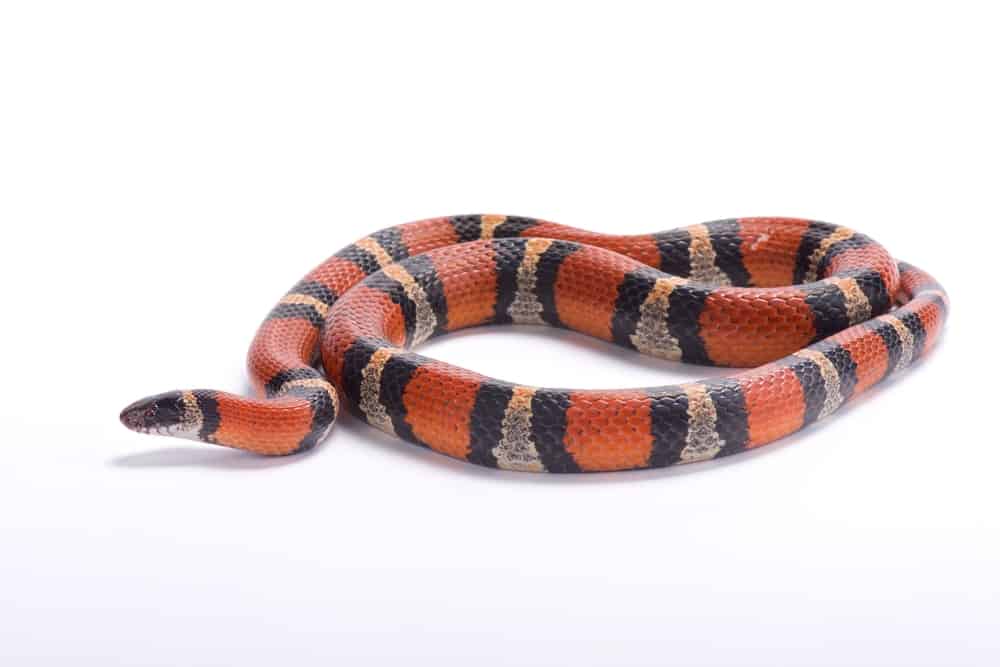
point(818, 312)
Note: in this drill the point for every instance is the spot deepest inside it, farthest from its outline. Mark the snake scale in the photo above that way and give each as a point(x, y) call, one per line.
point(817, 312)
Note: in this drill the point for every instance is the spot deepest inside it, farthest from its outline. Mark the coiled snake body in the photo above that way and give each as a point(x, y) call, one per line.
point(808, 305)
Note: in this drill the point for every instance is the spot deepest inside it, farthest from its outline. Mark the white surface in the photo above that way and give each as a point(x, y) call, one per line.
point(167, 170)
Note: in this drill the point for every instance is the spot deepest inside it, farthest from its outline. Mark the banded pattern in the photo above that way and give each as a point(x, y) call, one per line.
point(807, 304)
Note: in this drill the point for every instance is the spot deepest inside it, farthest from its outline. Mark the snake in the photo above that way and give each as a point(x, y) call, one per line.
point(814, 313)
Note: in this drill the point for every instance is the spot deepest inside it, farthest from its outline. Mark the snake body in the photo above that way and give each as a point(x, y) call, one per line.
point(819, 312)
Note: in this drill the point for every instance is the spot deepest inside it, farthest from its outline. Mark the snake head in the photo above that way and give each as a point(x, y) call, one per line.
point(171, 413)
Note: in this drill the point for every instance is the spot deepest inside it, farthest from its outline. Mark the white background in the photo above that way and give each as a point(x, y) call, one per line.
point(168, 170)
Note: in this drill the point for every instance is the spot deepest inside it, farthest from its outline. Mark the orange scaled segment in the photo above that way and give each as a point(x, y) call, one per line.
point(278, 431)
point(609, 430)
point(769, 249)
point(468, 275)
point(641, 248)
point(439, 399)
point(742, 331)
point(775, 404)
point(272, 353)
point(871, 358)
point(585, 304)
point(422, 236)
point(931, 317)
point(867, 257)
point(375, 315)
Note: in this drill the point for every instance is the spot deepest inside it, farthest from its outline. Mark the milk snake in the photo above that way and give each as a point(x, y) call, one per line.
point(820, 313)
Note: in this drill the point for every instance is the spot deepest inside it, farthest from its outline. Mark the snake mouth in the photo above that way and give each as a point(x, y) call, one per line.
point(163, 414)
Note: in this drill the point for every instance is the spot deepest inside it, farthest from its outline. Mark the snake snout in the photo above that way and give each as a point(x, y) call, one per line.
point(162, 413)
